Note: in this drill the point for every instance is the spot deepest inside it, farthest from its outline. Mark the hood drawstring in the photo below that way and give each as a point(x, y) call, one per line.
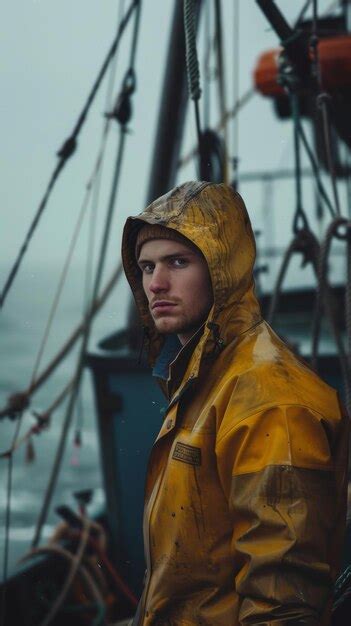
point(219, 342)
point(144, 336)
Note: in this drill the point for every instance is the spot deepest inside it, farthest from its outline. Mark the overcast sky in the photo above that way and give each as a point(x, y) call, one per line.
point(50, 53)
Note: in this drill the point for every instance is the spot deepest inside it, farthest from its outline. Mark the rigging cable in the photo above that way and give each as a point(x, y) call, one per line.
point(231, 113)
point(128, 87)
point(67, 150)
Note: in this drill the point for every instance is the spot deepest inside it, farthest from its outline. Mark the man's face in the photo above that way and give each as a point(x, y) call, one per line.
point(177, 285)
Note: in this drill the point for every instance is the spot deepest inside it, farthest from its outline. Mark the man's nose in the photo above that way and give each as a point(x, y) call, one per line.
point(159, 281)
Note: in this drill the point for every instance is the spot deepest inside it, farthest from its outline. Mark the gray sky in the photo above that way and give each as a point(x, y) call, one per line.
point(50, 53)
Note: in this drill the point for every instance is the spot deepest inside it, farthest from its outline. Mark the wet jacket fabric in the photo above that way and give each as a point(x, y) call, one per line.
point(245, 491)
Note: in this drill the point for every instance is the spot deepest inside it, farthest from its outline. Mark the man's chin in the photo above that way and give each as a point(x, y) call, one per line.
point(166, 327)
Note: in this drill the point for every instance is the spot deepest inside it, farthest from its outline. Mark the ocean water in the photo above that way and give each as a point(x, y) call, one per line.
point(22, 323)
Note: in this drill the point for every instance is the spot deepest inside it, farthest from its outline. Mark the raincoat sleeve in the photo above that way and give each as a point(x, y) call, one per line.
point(283, 470)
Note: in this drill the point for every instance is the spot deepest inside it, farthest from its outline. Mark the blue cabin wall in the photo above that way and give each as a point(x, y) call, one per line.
point(130, 406)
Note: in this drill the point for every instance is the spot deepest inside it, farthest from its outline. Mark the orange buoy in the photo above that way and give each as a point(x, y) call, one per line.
point(335, 64)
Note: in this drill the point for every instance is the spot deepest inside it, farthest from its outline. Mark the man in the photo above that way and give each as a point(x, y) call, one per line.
point(245, 492)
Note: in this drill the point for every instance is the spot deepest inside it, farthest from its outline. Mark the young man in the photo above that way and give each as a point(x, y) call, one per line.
point(245, 492)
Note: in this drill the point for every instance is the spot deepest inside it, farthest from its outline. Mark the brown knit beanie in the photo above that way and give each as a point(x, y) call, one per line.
point(154, 231)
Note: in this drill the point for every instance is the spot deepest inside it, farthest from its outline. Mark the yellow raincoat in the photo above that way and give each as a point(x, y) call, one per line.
point(245, 492)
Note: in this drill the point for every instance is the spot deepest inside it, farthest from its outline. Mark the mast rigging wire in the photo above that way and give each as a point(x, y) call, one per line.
point(127, 89)
point(67, 150)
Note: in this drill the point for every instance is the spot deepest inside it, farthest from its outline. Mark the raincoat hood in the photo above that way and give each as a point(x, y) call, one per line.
point(214, 218)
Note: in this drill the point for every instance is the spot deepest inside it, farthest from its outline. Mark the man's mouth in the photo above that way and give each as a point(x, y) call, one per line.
point(162, 305)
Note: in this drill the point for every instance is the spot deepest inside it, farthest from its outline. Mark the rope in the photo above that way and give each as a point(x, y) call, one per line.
point(324, 296)
point(96, 176)
point(66, 151)
point(76, 562)
point(315, 169)
point(322, 102)
point(7, 527)
point(300, 215)
point(72, 560)
point(192, 62)
point(127, 88)
point(43, 420)
point(20, 400)
point(192, 65)
point(304, 243)
point(121, 586)
point(60, 286)
point(79, 369)
point(231, 113)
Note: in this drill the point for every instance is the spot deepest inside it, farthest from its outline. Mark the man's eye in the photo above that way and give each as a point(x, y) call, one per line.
point(147, 269)
point(179, 262)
